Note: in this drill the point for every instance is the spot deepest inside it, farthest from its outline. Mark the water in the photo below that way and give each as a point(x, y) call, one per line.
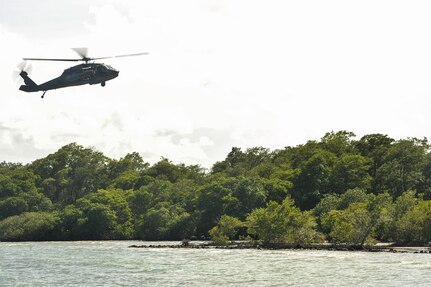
point(111, 263)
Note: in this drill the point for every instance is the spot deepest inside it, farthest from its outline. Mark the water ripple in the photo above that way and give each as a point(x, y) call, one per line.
point(112, 263)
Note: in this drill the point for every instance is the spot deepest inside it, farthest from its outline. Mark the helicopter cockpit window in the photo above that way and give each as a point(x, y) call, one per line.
point(111, 68)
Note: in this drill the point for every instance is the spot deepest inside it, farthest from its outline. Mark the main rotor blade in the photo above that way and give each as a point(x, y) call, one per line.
point(120, 56)
point(44, 59)
point(83, 52)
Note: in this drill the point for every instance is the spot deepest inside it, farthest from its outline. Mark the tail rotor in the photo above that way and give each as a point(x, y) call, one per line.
point(23, 68)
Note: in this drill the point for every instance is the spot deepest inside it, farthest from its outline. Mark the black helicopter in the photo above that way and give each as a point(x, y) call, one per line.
point(88, 73)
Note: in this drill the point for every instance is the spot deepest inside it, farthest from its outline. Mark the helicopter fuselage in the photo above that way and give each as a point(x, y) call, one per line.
point(88, 73)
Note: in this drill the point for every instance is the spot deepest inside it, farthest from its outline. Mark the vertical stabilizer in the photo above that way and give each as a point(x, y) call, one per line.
point(29, 86)
point(27, 80)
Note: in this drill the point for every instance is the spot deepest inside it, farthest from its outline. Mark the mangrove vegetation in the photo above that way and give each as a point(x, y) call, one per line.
point(338, 189)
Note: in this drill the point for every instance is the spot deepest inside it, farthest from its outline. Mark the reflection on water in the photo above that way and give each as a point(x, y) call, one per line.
point(112, 263)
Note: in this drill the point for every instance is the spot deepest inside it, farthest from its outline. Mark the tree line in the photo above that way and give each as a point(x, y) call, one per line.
point(338, 189)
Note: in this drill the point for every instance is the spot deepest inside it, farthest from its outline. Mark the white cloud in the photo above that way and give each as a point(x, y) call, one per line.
point(222, 73)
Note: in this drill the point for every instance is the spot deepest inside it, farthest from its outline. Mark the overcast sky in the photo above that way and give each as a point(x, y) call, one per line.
point(220, 73)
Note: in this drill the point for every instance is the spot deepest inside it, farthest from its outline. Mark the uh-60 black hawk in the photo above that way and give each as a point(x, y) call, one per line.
point(87, 73)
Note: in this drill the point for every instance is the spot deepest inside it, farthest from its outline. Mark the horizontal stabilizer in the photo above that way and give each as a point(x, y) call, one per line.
point(26, 88)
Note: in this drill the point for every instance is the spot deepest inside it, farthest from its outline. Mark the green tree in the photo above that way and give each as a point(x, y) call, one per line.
point(236, 197)
point(348, 225)
point(424, 187)
point(249, 193)
point(295, 157)
point(131, 162)
point(254, 161)
point(160, 190)
point(12, 206)
point(140, 201)
point(374, 147)
point(333, 202)
point(110, 209)
point(98, 222)
point(338, 143)
point(24, 202)
point(357, 224)
point(71, 173)
point(403, 167)
point(210, 203)
point(126, 180)
point(277, 189)
point(19, 193)
point(165, 221)
point(415, 225)
point(411, 220)
point(282, 223)
point(225, 230)
point(350, 171)
point(355, 195)
point(15, 181)
point(230, 166)
point(312, 183)
point(166, 170)
point(72, 221)
point(28, 226)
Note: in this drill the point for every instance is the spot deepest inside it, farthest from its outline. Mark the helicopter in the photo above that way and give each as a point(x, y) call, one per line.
point(87, 73)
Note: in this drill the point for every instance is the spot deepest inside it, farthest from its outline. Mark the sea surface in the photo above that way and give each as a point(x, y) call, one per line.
point(112, 263)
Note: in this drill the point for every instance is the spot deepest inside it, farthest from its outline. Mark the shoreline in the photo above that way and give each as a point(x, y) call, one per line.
point(392, 248)
point(199, 244)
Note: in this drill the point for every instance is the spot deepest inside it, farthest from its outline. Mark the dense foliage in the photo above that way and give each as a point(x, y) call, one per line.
point(340, 189)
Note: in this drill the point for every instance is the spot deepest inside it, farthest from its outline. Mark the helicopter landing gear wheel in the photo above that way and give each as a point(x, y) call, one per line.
point(103, 84)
